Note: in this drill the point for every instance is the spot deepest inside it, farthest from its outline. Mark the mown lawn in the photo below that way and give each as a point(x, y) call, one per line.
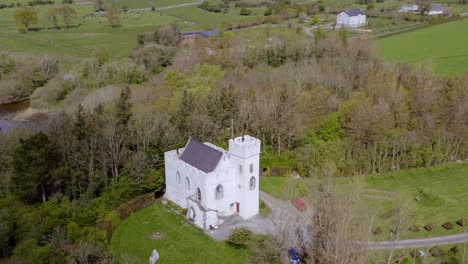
point(444, 46)
point(283, 188)
point(179, 242)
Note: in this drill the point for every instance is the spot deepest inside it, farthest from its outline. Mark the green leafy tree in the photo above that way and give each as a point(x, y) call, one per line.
point(25, 17)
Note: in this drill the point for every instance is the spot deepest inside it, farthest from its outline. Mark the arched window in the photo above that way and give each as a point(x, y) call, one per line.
point(178, 177)
point(187, 183)
point(252, 183)
point(219, 192)
point(198, 194)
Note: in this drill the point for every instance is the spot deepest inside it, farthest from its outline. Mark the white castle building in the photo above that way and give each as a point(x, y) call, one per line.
point(213, 183)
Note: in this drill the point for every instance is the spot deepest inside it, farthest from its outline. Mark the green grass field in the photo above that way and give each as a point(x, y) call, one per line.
point(88, 34)
point(180, 241)
point(444, 45)
point(442, 192)
point(130, 4)
point(206, 20)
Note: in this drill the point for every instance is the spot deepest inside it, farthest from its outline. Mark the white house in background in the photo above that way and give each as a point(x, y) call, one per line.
point(351, 18)
point(408, 8)
point(436, 9)
point(213, 183)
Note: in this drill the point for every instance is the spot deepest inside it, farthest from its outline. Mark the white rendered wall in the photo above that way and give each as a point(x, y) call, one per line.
point(232, 172)
point(244, 153)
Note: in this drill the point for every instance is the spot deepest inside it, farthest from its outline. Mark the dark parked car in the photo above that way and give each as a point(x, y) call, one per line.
point(294, 257)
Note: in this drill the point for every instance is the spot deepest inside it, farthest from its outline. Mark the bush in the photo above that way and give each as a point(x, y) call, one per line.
point(377, 231)
point(40, 2)
point(447, 225)
point(462, 222)
point(154, 57)
point(429, 227)
point(245, 12)
point(240, 237)
point(413, 228)
point(436, 252)
point(209, 7)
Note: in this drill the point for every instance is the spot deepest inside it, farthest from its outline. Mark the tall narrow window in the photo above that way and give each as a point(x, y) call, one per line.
point(252, 183)
point(240, 169)
point(251, 168)
point(187, 183)
point(178, 177)
point(198, 194)
point(219, 192)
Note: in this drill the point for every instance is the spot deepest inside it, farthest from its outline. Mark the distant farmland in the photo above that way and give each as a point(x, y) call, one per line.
point(445, 46)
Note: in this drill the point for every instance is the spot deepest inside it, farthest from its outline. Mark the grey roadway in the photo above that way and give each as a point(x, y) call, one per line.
point(420, 243)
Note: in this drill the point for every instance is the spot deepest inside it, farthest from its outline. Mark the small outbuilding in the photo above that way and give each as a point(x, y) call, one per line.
point(200, 33)
point(436, 9)
point(408, 8)
point(351, 18)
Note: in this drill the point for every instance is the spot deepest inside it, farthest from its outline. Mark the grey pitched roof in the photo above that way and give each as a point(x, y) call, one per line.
point(201, 156)
point(354, 12)
point(437, 7)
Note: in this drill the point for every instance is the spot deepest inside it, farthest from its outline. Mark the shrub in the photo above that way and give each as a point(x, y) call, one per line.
point(436, 252)
point(413, 228)
point(455, 249)
point(447, 225)
point(240, 237)
point(429, 227)
point(462, 222)
point(245, 12)
point(153, 56)
point(40, 2)
point(377, 231)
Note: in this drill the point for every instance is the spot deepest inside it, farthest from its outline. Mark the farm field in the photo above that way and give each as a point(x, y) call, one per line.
point(130, 4)
point(442, 45)
point(83, 38)
point(209, 20)
point(179, 242)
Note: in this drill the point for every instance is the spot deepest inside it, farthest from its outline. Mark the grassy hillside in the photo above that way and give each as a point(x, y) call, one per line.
point(179, 242)
point(443, 45)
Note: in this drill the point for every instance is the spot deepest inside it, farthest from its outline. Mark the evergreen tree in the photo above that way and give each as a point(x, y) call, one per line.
point(35, 163)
